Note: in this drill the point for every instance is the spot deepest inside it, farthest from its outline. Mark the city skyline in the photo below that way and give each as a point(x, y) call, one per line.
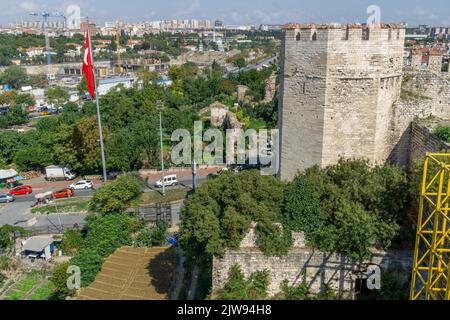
point(414, 12)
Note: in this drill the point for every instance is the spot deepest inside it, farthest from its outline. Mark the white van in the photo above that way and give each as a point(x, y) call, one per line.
point(169, 181)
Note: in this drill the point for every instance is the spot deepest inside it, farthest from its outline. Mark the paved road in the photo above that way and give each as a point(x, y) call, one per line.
point(184, 182)
point(253, 66)
point(19, 212)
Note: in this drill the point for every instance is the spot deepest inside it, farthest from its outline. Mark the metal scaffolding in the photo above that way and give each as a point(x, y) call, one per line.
point(431, 272)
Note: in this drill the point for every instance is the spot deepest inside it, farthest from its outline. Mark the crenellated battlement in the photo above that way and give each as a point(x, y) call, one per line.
point(338, 87)
point(344, 32)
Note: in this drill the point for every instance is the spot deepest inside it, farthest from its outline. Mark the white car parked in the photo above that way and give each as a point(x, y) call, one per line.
point(169, 181)
point(82, 185)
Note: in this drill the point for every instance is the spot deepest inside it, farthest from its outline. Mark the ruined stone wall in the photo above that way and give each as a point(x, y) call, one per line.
point(423, 140)
point(435, 63)
point(338, 86)
point(302, 264)
point(426, 94)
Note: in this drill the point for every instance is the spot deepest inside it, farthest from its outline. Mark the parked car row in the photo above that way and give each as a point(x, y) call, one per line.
point(60, 194)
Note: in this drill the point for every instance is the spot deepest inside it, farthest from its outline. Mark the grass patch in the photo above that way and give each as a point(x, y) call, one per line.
point(257, 124)
point(21, 288)
point(408, 94)
point(44, 292)
point(156, 197)
point(63, 206)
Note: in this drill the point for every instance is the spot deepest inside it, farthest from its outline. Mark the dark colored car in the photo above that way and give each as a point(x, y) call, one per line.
point(21, 190)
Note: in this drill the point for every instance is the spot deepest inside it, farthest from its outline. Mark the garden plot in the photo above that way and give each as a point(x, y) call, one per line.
point(32, 286)
point(133, 274)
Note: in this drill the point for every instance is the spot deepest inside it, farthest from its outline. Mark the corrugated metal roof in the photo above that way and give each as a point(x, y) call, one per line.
point(37, 244)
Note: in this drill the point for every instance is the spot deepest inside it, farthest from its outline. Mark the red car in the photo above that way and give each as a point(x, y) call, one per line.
point(65, 193)
point(21, 190)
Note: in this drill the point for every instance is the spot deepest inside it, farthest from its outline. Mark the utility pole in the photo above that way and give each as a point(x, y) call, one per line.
point(45, 16)
point(194, 175)
point(160, 104)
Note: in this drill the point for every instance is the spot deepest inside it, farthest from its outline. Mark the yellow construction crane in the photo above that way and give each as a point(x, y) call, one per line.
point(119, 60)
point(431, 270)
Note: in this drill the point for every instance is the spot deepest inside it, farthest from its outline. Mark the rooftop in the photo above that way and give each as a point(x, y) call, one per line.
point(292, 25)
point(37, 244)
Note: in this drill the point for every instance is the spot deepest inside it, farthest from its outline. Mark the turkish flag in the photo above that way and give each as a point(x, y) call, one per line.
point(88, 68)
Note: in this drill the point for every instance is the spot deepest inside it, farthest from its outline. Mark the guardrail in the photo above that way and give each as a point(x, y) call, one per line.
point(54, 229)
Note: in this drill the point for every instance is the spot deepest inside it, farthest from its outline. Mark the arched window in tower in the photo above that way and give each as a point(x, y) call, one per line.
point(314, 36)
point(298, 37)
point(345, 33)
point(366, 34)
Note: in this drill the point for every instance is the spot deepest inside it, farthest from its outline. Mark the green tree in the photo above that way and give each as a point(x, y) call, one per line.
point(350, 207)
point(16, 115)
point(33, 158)
point(105, 235)
point(217, 217)
point(153, 237)
point(59, 279)
point(14, 76)
point(115, 196)
point(57, 96)
point(239, 288)
point(72, 241)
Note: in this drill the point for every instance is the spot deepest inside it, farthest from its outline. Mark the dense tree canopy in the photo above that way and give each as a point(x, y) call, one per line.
point(219, 214)
point(14, 76)
point(349, 207)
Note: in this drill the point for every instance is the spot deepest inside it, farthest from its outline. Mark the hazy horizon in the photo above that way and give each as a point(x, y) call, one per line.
point(414, 12)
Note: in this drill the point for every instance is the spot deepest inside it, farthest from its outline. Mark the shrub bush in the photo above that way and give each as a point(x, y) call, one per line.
point(115, 196)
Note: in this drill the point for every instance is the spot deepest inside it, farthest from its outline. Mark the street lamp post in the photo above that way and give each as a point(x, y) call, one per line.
point(160, 108)
point(194, 175)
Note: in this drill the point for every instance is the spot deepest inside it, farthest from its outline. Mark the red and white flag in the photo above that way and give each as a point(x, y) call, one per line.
point(88, 68)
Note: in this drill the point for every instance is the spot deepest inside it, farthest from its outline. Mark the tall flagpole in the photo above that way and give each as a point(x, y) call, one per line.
point(102, 147)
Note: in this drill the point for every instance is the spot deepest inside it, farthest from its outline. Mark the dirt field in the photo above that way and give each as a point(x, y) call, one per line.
point(133, 274)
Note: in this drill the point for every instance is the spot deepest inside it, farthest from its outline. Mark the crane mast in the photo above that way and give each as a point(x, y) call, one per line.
point(45, 16)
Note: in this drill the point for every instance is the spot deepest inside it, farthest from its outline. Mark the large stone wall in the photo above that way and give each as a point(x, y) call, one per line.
point(345, 97)
point(302, 264)
point(423, 140)
point(426, 95)
point(338, 85)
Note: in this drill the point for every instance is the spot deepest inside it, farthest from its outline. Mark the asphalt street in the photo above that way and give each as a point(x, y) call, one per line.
point(19, 212)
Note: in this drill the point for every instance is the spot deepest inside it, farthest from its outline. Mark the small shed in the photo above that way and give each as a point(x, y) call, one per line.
point(9, 177)
point(39, 247)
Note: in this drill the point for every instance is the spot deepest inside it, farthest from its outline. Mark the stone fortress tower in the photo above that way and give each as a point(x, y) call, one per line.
point(338, 87)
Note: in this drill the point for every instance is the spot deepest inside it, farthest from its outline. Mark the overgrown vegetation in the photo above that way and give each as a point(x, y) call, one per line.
point(104, 236)
point(130, 120)
point(116, 196)
point(217, 217)
point(443, 132)
point(152, 237)
point(63, 206)
point(349, 208)
point(256, 287)
point(7, 234)
point(392, 288)
point(239, 288)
